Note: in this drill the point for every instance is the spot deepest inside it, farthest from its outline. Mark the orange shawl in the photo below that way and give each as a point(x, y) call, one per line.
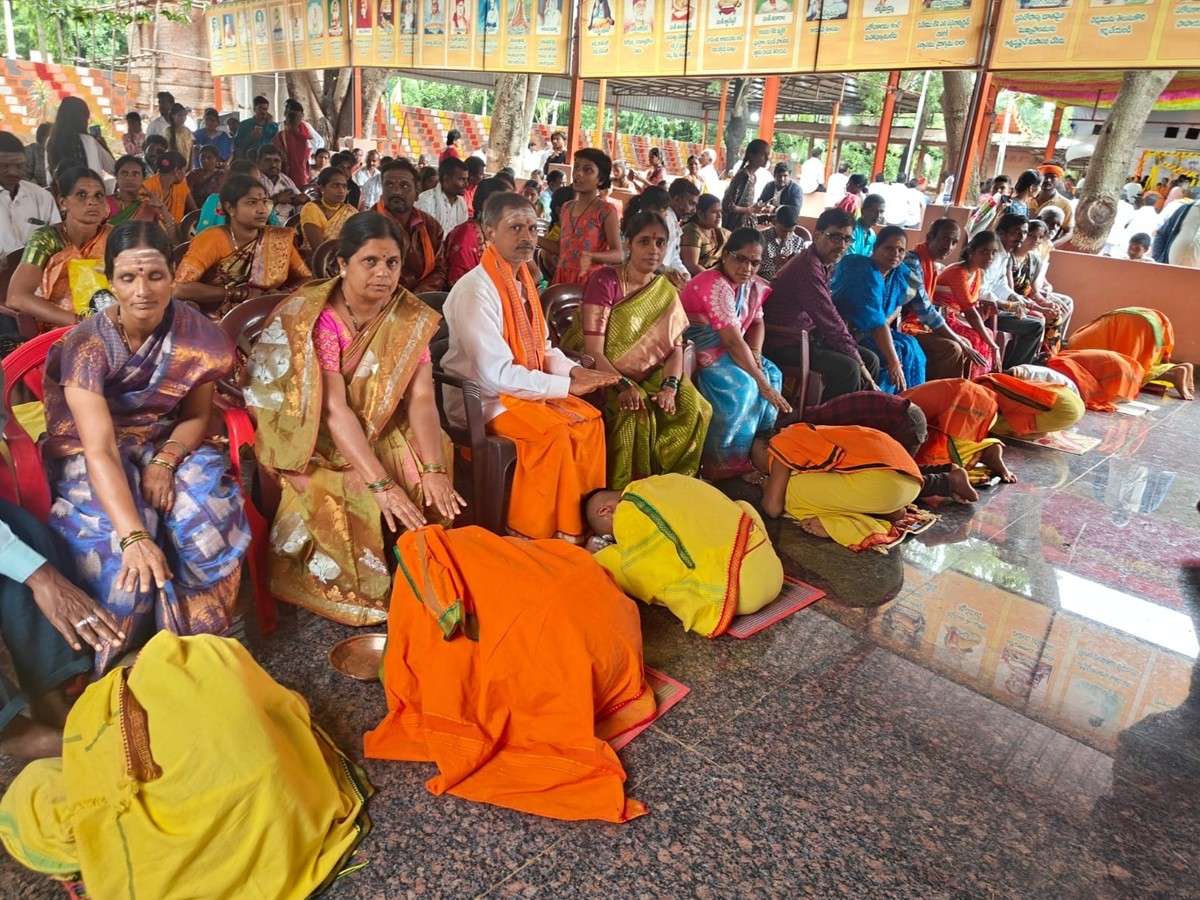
point(497, 674)
point(525, 333)
point(1020, 402)
point(1102, 376)
point(839, 448)
point(953, 407)
point(429, 255)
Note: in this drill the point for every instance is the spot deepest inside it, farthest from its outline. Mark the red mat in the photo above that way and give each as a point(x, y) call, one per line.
point(795, 596)
point(667, 692)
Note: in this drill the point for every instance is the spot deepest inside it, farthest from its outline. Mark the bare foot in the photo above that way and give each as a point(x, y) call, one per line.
point(993, 458)
point(814, 527)
point(896, 516)
point(961, 490)
point(27, 740)
point(754, 477)
point(1182, 378)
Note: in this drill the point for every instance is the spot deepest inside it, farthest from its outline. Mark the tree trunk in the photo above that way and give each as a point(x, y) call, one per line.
point(735, 127)
point(531, 95)
point(374, 82)
point(957, 87)
point(510, 120)
point(1112, 160)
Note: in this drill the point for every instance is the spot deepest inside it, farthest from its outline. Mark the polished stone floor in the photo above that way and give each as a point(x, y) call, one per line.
point(1000, 708)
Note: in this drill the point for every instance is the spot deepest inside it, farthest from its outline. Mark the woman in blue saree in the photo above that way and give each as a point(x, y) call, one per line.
point(869, 292)
point(724, 310)
point(141, 496)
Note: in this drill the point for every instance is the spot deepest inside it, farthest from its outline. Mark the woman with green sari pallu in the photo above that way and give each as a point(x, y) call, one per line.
point(342, 388)
point(632, 323)
point(227, 265)
point(130, 203)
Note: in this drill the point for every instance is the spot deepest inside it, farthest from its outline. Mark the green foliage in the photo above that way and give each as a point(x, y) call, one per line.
point(449, 97)
point(75, 31)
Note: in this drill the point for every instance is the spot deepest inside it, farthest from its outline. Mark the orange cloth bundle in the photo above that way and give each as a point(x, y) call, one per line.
point(1102, 376)
point(509, 663)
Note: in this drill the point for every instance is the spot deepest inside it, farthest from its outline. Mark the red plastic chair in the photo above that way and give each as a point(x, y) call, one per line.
point(32, 491)
point(26, 484)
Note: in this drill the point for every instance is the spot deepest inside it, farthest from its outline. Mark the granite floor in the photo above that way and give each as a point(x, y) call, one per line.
point(1000, 708)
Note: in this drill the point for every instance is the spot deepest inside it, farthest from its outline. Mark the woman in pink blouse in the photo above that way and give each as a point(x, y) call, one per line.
point(724, 310)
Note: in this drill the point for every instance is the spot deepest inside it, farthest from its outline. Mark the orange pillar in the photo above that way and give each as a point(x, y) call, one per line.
point(600, 98)
point(770, 104)
point(829, 154)
point(574, 138)
point(885, 123)
point(219, 96)
point(356, 86)
point(1052, 142)
point(719, 163)
point(616, 132)
point(982, 112)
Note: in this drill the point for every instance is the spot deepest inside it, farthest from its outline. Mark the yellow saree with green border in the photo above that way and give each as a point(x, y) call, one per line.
point(640, 333)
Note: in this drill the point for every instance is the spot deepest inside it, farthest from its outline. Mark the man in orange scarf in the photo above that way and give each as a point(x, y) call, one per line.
point(531, 391)
point(424, 267)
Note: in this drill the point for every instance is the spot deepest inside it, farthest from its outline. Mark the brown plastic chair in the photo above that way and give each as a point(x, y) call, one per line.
point(493, 459)
point(560, 303)
point(27, 326)
point(187, 225)
point(180, 252)
point(435, 300)
point(807, 386)
point(243, 324)
point(805, 234)
point(324, 260)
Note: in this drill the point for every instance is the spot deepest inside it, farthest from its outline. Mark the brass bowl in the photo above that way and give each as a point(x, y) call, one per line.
point(359, 656)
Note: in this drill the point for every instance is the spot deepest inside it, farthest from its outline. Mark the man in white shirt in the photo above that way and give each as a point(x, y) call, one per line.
point(896, 195)
point(531, 160)
point(708, 173)
point(446, 202)
point(24, 207)
point(997, 289)
point(159, 126)
point(368, 171)
point(812, 172)
point(684, 196)
point(915, 201)
point(531, 392)
point(279, 187)
point(836, 189)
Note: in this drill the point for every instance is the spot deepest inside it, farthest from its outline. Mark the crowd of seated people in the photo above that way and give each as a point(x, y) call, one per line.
point(609, 423)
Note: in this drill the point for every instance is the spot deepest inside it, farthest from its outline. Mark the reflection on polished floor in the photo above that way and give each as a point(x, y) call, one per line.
point(1000, 708)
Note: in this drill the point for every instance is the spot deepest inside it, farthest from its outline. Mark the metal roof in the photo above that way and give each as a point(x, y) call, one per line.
point(690, 98)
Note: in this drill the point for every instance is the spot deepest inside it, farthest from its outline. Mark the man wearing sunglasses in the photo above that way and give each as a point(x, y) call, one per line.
point(801, 300)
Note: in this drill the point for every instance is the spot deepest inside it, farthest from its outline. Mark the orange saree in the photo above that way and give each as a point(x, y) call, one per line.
point(497, 674)
point(955, 410)
point(1022, 403)
point(1102, 376)
point(560, 441)
point(1144, 334)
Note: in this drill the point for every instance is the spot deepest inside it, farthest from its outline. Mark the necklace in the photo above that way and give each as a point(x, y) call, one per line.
point(353, 318)
point(575, 220)
point(121, 332)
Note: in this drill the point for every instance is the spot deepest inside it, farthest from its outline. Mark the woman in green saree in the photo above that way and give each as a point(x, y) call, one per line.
point(632, 322)
point(342, 389)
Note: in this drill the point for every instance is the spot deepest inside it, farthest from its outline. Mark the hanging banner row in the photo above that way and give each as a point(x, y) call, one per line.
point(248, 37)
point(638, 38)
point(1110, 34)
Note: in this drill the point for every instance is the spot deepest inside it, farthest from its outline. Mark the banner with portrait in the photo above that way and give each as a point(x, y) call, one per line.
point(1080, 34)
point(250, 37)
